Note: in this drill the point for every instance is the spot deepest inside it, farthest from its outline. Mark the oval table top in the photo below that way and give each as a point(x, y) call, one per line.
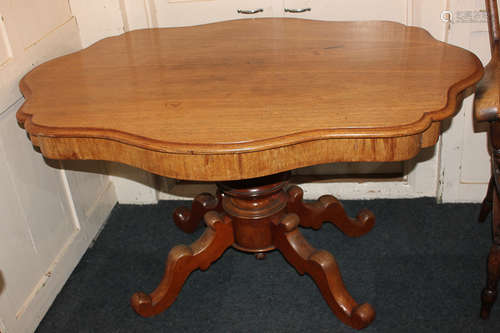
point(248, 98)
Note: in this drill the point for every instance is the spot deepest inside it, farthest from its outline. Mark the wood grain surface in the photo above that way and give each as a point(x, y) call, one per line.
point(248, 98)
point(486, 104)
point(487, 97)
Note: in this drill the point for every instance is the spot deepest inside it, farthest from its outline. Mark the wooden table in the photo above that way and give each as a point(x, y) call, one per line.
point(242, 103)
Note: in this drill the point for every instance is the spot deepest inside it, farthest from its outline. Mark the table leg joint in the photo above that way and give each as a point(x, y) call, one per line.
point(188, 220)
point(322, 267)
point(328, 209)
point(182, 260)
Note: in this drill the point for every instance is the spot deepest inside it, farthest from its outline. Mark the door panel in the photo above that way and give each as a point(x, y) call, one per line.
point(15, 235)
point(41, 238)
point(5, 47)
point(97, 19)
point(38, 18)
point(475, 156)
point(349, 10)
point(465, 167)
point(41, 187)
point(181, 13)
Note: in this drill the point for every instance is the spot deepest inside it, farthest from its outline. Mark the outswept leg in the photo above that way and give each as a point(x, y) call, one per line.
point(182, 260)
point(188, 220)
point(322, 267)
point(328, 208)
point(487, 201)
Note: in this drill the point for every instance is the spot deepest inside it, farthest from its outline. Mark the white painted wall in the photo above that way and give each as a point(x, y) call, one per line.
point(49, 215)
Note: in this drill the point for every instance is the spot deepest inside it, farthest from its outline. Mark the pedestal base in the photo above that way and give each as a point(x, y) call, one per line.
point(258, 215)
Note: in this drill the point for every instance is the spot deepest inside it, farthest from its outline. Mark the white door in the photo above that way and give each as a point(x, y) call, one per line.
point(45, 224)
point(465, 167)
point(347, 10)
point(175, 13)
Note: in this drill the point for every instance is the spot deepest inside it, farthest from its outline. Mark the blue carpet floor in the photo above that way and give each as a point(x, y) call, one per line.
point(422, 267)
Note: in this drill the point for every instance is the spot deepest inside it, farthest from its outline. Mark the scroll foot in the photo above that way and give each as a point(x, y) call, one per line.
point(182, 260)
point(322, 267)
point(328, 208)
point(188, 220)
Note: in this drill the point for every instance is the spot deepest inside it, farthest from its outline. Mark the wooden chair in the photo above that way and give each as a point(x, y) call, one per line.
point(486, 108)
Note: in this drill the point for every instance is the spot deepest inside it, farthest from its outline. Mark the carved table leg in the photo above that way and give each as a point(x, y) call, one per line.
point(188, 220)
point(487, 202)
point(182, 260)
point(328, 208)
point(489, 294)
point(322, 267)
point(260, 216)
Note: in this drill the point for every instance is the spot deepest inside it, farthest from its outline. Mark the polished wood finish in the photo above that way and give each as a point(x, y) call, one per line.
point(493, 22)
point(182, 260)
point(490, 292)
point(322, 267)
point(486, 103)
point(188, 220)
point(253, 206)
point(258, 216)
point(487, 98)
point(248, 98)
point(491, 203)
point(328, 209)
point(246, 165)
point(244, 102)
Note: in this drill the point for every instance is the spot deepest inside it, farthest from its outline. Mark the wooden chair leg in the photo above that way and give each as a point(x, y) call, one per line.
point(188, 220)
point(489, 294)
point(182, 260)
point(487, 202)
point(322, 267)
point(328, 208)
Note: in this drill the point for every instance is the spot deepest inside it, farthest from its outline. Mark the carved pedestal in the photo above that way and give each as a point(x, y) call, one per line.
point(257, 216)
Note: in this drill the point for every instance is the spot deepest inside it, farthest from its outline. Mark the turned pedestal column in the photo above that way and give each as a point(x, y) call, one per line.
point(258, 216)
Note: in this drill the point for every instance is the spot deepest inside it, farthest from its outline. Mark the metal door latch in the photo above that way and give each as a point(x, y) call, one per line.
point(446, 16)
point(464, 16)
